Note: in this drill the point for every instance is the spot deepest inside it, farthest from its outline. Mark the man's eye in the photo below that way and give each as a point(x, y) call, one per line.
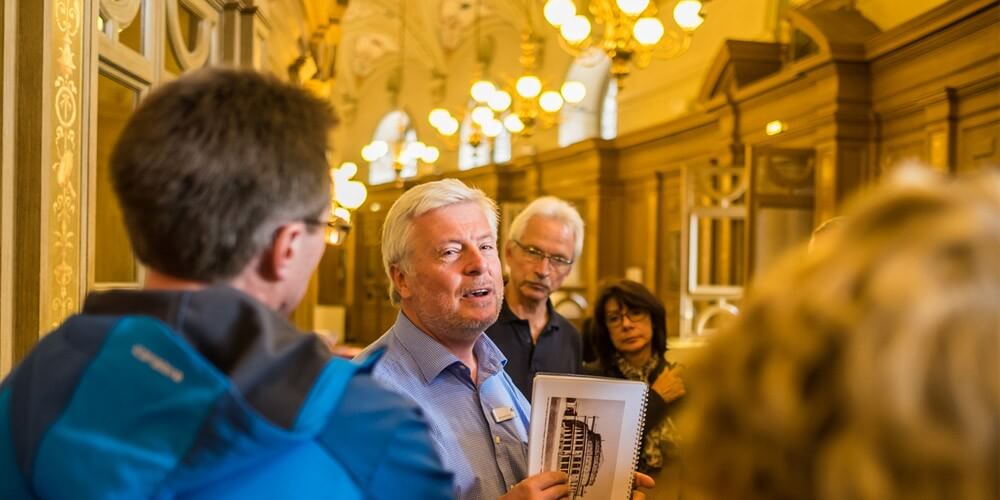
point(486, 246)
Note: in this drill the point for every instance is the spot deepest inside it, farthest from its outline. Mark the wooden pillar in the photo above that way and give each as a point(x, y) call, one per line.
point(47, 252)
point(941, 115)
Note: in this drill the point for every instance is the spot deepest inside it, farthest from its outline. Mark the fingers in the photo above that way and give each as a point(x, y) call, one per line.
point(644, 480)
point(641, 481)
point(544, 480)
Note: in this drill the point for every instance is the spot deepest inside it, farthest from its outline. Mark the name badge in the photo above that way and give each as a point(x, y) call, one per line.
point(503, 414)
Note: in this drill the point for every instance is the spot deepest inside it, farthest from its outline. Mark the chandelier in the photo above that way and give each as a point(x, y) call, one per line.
point(630, 31)
point(348, 195)
point(534, 105)
point(486, 100)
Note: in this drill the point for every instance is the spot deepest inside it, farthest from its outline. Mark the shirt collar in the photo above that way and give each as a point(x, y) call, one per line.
point(432, 358)
point(508, 316)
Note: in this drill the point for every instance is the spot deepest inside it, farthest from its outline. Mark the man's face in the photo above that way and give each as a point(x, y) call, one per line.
point(532, 275)
point(450, 281)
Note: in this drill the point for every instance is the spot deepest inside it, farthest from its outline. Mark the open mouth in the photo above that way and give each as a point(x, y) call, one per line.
point(477, 293)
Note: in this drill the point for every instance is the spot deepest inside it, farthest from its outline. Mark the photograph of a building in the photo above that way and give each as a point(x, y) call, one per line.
point(581, 437)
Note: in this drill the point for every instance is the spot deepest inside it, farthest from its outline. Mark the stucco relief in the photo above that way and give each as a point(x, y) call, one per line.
point(122, 12)
point(64, 180)
point(456, 17)
point(369, 49)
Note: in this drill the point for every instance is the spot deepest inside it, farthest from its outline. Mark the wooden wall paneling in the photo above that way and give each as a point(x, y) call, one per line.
point(232, 39)
point(780, 202)
point(255, 30)
point(32, 95)
point(940, 128)
point(8, 35)
point(50, 89)
point(371, 313)
point(668, 255)
point(977, 141)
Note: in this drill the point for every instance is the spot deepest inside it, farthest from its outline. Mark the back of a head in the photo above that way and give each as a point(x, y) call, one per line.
point(867, 369)
point(417, 201)
point(210, 164)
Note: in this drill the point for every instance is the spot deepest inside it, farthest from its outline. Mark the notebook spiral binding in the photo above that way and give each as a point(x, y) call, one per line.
point(637, 446)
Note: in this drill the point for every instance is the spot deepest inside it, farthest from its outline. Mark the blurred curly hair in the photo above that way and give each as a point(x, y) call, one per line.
point(868, 369)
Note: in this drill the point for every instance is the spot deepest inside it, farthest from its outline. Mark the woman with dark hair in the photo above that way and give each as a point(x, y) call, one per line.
point(629, 333)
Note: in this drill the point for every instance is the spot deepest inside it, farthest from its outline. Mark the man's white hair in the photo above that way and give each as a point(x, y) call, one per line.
point(416, 202)
point(554, 208)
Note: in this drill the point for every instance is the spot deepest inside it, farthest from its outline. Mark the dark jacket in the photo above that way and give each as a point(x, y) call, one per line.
point(204, 394)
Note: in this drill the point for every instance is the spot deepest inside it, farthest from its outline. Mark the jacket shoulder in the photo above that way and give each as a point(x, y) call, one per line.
point(383, 441)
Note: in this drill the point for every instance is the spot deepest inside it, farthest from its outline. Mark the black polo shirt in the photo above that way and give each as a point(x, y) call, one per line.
point(559, 347)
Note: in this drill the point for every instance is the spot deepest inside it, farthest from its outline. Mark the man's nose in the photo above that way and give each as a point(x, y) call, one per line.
point(543, 267)
point(476, 262)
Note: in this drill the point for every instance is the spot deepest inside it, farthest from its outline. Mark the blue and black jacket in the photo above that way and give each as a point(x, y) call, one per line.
point(205, 394)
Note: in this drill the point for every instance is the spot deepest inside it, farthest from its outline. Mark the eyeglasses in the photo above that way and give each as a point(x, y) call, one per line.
point(615, 319)
point(331, 223)
point(336, 228)
point(536, 255)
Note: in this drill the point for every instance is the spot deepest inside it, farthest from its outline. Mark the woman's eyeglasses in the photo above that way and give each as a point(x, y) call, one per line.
point(615, 319)
point(536, 255)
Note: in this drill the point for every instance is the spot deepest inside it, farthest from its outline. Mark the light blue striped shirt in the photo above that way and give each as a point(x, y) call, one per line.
point(486, 456)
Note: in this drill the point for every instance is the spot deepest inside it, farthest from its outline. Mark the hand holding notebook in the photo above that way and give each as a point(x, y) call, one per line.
point(590, 428)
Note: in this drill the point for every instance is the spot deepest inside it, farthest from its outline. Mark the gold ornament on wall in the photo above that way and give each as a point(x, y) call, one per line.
point(63, 223)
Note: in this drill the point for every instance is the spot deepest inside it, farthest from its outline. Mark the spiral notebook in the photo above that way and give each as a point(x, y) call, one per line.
point(590, 428)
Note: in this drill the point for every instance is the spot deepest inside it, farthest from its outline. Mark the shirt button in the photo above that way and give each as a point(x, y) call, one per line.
point(496, 439)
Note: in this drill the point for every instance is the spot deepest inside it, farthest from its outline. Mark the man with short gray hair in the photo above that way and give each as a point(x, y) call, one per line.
point(545, 240)
point(439, 249)
point(197, 386)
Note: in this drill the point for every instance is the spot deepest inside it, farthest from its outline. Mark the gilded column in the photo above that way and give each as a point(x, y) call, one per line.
point(61, 284)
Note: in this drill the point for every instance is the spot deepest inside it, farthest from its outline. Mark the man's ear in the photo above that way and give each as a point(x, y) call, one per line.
point(276, 261)
point(399, 281)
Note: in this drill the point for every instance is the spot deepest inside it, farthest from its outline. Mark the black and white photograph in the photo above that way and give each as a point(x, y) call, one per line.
point(581, 439)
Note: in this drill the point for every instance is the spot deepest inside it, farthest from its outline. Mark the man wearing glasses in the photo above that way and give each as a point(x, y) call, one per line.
point(545, 240)
point(197, 386)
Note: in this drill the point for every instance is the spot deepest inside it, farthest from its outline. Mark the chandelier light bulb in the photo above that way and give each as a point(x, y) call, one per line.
point(482, 90)
point(374, 150)
point(573, 92)
point(343, 213)
point(350, 194)
point(449, 126)
point(513, 124)
point(437, 116)
point(431, 154)
point(633, 7)
point(687, 14)
point(416, 149)
point(557, 12)
point(550, 101)
point(499, 101)
point(648, 31)
point(347, 170)
point(481, 115)
point(529, 86)
point(492, 128)
point(576, 29)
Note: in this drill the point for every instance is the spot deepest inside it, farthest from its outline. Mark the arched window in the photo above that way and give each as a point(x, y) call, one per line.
point(472, 157)
point(394, 129)
point(597, 114)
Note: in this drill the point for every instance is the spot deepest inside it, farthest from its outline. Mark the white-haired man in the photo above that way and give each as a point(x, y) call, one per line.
point(439, 249)
point(545, 240)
